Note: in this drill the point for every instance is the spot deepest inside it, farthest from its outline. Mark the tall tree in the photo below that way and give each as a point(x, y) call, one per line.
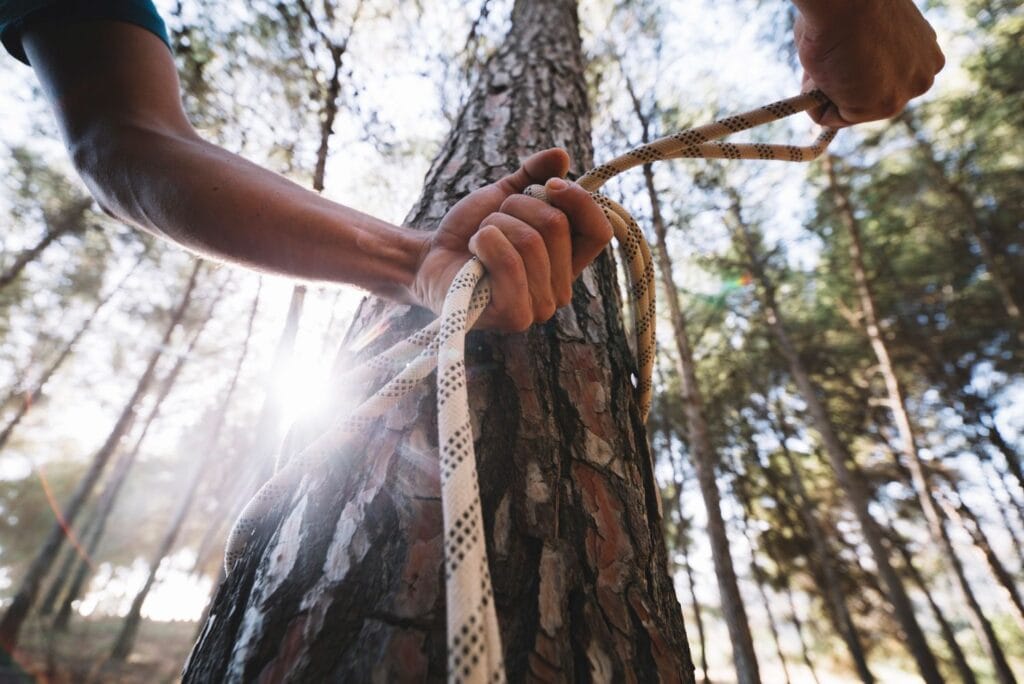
point(897, 405)
point(698, 436)
point(17, 611)
point(345, 583)
point(846, 473)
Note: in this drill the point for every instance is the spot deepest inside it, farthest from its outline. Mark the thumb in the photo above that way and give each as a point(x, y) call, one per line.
point(536, 168)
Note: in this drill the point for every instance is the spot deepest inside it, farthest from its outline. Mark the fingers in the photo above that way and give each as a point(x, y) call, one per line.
point(553, 227)
point(515, 257)
point(591, 231)
point(536, 168)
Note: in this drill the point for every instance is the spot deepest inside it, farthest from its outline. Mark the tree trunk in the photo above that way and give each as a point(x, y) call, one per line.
point(108, 497)
point(948, 633)
point(1011, 530)
point(682, 546)
point(697, 437)
point(346, 583)
point(799, 626)
point(69, 220)
point(968, 519)
point(761, 580)
point(849, 479)
point(18, 610)
point(830, 588)
point(908, 445)
point(33, 395)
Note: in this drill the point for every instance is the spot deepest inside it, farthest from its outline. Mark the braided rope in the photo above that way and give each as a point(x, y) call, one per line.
point(474, 641)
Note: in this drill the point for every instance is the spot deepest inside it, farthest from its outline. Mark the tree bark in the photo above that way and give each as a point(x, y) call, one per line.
point(346, 584)
point(698, 439)
point(908, 444)
point(849, 479)
point(17, 611)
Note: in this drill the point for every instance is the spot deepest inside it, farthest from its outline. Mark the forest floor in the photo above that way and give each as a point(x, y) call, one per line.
point(76, 657)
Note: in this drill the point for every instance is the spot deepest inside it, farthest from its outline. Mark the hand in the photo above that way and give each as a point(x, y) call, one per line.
point(531, 250)
point(870, 57)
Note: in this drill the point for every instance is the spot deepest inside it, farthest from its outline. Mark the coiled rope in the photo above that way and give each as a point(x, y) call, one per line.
point(474, 641)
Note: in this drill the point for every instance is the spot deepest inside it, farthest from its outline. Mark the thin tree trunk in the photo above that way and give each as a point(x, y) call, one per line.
point(761, 580)
point(129, 629)
point(948, 633)
point(849, 479)
point(108, 497)
point(908, 446)
point(69, 220)
point(18, 610)
point(33, 395)
point(1011, 529)
point(569, 497)
point(831, 587)
point(682, 545)
point(970, 522)
point(698, 439)
point(799, 626)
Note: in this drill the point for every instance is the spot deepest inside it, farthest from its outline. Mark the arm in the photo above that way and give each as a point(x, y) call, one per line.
point(870, 57)
point(114, 89)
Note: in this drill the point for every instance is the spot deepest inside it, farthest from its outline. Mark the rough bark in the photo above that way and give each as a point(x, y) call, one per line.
point(698, 437)
point(849, 479)
point(896, 402)
point(823, 557)
point(19, 608)
point(346, 584)
point(69, 220)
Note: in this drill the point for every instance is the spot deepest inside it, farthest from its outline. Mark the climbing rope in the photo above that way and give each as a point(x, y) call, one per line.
point(474, 641)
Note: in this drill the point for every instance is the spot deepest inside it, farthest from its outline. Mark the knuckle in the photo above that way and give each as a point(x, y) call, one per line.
point(556, 222)
point(544, 311)
point(493, 219)
point(531, 244)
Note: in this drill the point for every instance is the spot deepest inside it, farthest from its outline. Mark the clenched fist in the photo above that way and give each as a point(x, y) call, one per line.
point(870, 57)
point(532, 250)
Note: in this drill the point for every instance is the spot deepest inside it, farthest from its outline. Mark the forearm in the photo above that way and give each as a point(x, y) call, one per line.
point(222, 206)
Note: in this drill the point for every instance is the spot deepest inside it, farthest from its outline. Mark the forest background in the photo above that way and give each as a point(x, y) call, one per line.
point(896, 270)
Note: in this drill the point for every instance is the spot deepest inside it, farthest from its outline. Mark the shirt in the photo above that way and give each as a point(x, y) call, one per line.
point(17, 15)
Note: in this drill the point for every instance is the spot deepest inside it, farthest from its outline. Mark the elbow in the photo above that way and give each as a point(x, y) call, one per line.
point(100, 156)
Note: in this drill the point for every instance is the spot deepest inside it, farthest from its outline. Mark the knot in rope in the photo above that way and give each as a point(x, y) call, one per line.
point(474, 640)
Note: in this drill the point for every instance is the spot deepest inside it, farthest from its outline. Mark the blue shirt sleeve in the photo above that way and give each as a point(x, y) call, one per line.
point(17, 15)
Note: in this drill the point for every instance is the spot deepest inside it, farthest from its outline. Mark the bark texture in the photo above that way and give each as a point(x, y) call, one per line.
point(346, 584)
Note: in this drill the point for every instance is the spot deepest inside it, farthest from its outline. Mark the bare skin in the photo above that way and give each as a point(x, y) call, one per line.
point(871, 57)
point(114, 89)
